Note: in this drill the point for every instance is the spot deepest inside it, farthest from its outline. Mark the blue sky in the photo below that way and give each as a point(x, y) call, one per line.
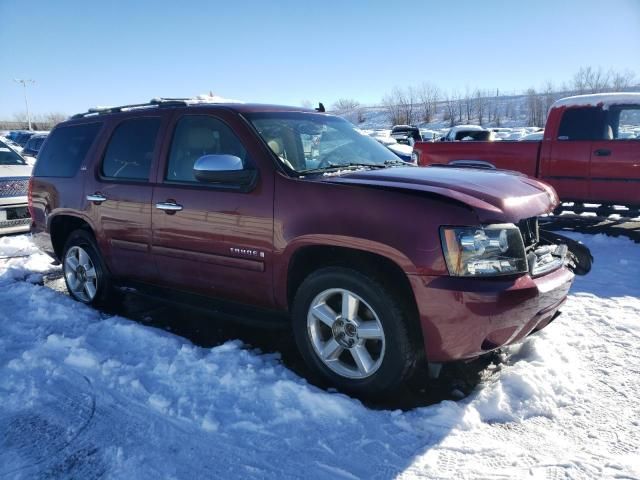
point(85, 53)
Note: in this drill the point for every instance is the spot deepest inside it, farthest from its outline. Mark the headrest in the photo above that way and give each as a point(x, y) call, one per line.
point(275, 145)
point(608, 132)
point(201, 138)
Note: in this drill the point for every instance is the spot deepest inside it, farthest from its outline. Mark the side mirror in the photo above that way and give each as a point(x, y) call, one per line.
point(224, 169)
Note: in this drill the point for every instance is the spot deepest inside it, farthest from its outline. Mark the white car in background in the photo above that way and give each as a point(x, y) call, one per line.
point(535, 136)
point(14, 185)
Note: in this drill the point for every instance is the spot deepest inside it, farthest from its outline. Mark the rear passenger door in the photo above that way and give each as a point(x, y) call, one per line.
point(118, 195)
point(615, 160)
point(213, 239)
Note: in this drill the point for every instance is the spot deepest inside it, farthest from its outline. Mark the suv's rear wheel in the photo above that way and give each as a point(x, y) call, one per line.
point(353, 331)
point(85, 274)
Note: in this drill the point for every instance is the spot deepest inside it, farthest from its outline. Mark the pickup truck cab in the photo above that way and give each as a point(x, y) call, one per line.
point(590, 151)
point(379, 267)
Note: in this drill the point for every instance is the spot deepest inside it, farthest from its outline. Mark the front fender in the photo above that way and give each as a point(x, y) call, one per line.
point(281, 270)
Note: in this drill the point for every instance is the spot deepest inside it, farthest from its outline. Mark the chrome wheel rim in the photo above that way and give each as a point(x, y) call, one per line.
point(346, 333)
point(80, 274)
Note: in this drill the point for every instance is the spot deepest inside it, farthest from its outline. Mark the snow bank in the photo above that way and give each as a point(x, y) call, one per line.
point(87, 395)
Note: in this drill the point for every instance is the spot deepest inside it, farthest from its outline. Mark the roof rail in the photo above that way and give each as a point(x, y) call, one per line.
point(154, 102)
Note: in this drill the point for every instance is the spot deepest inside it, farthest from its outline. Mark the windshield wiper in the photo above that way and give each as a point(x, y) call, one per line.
point(398, 162)
point(342, 166)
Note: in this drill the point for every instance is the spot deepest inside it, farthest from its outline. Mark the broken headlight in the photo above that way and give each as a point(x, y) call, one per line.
point(483, 251)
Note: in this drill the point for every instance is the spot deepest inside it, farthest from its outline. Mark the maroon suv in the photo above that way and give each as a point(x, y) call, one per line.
point(279, 214)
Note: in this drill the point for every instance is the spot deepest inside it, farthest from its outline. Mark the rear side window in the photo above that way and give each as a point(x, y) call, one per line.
point(65, 149)
point(130, 150)
point(582, 124)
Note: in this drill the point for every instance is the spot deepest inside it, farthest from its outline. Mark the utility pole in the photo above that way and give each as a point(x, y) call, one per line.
point(24, 82)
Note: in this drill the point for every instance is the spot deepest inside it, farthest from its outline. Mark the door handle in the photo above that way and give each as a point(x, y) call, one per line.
point(96, 198)
point(602, 152)
point(169, 207)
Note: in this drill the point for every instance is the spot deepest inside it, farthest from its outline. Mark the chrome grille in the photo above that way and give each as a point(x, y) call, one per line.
point(14, 187)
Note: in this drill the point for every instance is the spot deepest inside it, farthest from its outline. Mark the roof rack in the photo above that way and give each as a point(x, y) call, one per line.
point(153, 103)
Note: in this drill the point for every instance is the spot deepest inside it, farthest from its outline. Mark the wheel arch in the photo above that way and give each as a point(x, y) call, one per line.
point(310, 258)
point(61, 226)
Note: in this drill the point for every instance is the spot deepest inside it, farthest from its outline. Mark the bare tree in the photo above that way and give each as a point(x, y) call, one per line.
point(400, 105)
point(535, 109)
point(468, 104)
point(54, 118)
point(592, 80)
point(548, 96)
point(350, 109)
point(428, 96)
point(346, 104)
point(450, 108)
point(480, 105)
point(621, 81)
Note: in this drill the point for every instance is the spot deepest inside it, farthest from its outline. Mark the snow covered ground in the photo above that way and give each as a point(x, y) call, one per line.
point(87, 395)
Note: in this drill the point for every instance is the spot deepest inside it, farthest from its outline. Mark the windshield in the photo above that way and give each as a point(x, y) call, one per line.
point(307, 142)
point(9, 157)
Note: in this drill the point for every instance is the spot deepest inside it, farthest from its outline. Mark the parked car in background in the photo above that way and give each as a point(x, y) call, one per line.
point(32, 147)
point(584, 153)
point(22, 137)
point(429, 135)
point(406, 134)
point(535, 136)
point(468, 133)
point(379, 267)
point(14, 181)
point(401, 150)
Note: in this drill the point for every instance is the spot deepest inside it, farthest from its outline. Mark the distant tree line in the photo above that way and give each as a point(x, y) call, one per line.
point(429, 103)
point(44, 121)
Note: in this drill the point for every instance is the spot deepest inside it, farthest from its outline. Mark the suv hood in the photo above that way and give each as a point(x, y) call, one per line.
point(495, 195)
point(15, 171)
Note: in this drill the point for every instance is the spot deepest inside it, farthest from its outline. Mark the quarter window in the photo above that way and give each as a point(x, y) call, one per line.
point(130, 150)
point(65, 149)
point(196, 136)
point(623, 124)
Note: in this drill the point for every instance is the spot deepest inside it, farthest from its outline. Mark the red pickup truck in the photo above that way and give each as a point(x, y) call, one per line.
point(590, 151)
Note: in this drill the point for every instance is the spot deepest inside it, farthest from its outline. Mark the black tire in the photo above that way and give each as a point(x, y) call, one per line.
point(401, 351)
point(104, 295)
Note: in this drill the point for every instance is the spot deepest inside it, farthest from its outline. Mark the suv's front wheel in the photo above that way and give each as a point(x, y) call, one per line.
point(84, 271)
point(353, 331)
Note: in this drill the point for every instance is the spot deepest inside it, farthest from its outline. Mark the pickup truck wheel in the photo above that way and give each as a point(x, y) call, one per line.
point(84, 271)
point(352, 331)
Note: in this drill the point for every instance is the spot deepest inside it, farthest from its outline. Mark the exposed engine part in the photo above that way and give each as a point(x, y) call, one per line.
point(578, 256)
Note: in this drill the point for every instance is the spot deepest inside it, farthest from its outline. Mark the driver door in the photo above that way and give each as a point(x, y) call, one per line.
point(211, 239)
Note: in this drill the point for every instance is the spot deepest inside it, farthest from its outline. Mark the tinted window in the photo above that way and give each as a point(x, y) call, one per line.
point(196, 136)
point(65, 149)
point(582, 124)
point(130, 150)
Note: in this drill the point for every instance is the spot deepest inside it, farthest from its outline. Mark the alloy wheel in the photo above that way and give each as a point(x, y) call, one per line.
point(346, 333)
point(80, 274)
